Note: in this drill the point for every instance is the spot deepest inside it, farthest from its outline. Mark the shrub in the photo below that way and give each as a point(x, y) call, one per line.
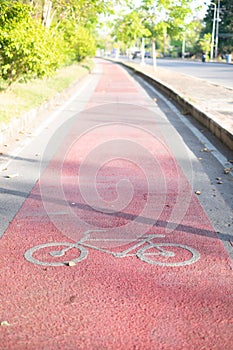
point(27, 49)
point(79, 42)
point(84, 44)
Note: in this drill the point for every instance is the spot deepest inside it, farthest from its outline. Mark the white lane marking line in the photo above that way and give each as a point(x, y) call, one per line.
point(219, 156)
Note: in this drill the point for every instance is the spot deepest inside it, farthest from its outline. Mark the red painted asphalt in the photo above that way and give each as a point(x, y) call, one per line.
point(108, 300)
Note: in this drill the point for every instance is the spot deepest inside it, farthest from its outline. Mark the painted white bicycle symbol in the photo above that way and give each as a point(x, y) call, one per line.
point(162, 254)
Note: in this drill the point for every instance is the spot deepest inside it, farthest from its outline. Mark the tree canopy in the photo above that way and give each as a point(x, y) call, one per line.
point(39, 36)
point(158, 19)
point(225, 31)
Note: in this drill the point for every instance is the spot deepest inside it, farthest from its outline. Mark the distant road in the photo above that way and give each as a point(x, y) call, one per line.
point(217, 73)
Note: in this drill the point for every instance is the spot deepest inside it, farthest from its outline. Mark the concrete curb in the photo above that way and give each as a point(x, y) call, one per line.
point(8, 131)
point(22, 123)
point(206, 119)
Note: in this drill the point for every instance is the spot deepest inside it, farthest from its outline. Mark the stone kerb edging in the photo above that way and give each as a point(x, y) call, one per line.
point(8, 131)
point(206, 119)
point(22, 123)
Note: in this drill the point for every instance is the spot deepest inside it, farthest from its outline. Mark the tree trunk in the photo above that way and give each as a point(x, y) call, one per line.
point(46, 13)
point(154, 55)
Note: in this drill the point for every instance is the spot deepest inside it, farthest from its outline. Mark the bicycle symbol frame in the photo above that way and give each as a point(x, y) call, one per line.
point(144, 245)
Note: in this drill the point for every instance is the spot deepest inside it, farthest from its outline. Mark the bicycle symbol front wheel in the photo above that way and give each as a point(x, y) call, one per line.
point(167, 254)
point(51, 255)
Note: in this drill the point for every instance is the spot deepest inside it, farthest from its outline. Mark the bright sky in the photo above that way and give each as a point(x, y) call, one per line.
point(195, 3)
point(204, 7)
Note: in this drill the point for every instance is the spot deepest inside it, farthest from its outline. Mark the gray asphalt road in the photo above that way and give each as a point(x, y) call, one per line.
point(217, 73)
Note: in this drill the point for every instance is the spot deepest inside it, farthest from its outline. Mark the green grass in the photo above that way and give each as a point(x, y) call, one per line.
point(25, 96)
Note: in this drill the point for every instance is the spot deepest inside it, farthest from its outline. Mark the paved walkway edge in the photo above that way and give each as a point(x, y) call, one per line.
point(204, 118)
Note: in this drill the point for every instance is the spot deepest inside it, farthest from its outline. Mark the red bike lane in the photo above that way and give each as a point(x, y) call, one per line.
point(112, 249)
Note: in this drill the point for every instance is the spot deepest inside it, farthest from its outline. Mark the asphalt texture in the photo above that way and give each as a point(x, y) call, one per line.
point(107, 245)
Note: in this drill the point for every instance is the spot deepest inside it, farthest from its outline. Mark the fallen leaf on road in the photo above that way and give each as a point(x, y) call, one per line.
point(11, 176)
point(205, 149)
point(227, 170)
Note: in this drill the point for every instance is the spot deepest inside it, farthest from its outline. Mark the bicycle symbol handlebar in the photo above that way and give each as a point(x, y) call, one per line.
point(162, 254)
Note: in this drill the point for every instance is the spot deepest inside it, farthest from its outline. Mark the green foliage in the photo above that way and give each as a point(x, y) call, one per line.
point(84, 12)
point(166, 19)
point(177, 21)
point(192, 37)
point(27, 50)
point(84, 44)
point(225, 24)
point(166, 16)
point(130, 27)
point(205, 43)
point(12, 13)
point(78, 41)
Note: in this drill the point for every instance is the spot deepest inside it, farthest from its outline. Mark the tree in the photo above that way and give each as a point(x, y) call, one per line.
point(38, 36)
point(130, 27)
point(27, 50)
point(225, 43)
point(205, 44)
point(85, 12)
point(168, 18)
point(78, 41)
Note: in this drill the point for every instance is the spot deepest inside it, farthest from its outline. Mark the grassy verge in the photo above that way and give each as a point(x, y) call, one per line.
point(25, 96)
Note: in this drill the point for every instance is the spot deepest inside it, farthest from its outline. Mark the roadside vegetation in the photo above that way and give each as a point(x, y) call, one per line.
point(44, 46)
point(32, 94)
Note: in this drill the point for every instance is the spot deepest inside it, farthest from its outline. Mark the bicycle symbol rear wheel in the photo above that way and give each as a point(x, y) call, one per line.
point(155, 254)
point(30, 252)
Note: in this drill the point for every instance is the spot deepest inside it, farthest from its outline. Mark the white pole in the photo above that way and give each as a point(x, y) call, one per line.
point(154, 55)
point(117, 53)
point(183, 47)
point(217, 30)
point(213, 33)
point(143, 52)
